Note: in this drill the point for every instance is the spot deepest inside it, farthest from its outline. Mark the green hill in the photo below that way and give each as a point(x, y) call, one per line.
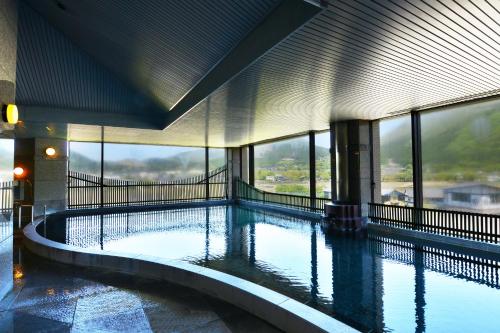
point(186, 163)
point(463, 143)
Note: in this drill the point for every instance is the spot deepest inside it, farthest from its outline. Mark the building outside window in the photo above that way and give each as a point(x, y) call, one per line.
point(460, 161)
point(396, 161)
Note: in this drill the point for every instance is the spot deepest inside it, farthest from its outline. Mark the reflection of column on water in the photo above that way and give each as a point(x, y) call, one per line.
point(357, 282)
point(419, 290)
point(240, 240)
point(314, 265)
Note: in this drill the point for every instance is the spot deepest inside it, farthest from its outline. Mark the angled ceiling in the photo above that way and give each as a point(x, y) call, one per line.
point(357, 59)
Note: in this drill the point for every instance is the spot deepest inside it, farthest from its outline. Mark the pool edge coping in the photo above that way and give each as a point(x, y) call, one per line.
point(277, 309)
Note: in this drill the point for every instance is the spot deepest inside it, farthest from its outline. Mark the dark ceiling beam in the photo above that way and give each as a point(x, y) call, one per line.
point(286, 18)
point(88, 117)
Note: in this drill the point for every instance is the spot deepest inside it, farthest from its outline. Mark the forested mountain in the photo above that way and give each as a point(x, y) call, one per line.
point(296, 150)
point(459, 142)
point(186, 163)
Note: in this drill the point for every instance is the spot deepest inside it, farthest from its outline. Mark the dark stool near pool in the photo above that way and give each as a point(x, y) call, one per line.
point(344, 217)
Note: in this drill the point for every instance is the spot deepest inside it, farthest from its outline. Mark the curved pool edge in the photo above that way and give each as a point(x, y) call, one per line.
point(277, 309)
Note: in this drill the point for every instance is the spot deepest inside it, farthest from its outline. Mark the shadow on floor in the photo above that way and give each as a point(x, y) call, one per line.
point(51, 297)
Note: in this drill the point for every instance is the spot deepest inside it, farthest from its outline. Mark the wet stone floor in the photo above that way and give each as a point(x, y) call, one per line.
point(50, 297)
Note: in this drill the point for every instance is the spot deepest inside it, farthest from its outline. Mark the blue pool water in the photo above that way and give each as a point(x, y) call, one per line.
point(374, 284)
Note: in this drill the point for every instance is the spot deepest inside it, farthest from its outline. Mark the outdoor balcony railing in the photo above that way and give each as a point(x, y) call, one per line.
point(468, 225)
point(84, 191)
point(245, 191)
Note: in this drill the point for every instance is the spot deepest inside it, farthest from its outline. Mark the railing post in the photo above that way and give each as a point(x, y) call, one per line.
point(102, 167)
point(128, 198)
point(207, 185)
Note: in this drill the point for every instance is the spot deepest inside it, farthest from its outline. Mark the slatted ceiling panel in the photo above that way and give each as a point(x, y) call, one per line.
point(53, 72)
point(360, 59)
point(163, 47)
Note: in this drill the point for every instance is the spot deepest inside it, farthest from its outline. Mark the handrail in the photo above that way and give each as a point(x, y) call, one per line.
point(243, 190)
point(84, 190)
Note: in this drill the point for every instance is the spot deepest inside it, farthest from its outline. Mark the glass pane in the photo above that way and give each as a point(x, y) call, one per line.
point(461, 159)
point(7, 160)
point(85, 157)
point(323, 172)
point(152, 163)
point(283, 166)
point(216, 158)
point(396, 161)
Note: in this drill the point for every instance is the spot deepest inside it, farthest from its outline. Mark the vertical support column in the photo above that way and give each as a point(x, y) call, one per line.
point(244, 164)
point(376, 174)
point(354, 163)
point(234, 167)
point(251, 165)
point(333, 163)
point(207, 181)
point(416, 149)
point(45, 179)
point(102, 167)
point(312, 168)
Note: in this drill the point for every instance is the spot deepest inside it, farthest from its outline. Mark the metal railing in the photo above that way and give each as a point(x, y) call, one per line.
point(468, 225)
point(245, 191)
point(6, 196)
point(84, 191)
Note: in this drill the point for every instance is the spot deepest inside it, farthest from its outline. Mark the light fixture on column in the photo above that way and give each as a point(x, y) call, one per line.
point(18, 172)
point(10, 114)
point(50, 151)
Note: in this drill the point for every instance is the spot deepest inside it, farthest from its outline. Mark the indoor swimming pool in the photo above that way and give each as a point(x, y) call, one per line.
point(374, 284)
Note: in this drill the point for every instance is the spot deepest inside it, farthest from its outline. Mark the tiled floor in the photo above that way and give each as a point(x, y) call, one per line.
point(49, 297)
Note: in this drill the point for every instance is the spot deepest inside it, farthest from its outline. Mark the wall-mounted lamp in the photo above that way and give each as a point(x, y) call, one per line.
point(10, 114)
point(50, 152)
point(18, 172)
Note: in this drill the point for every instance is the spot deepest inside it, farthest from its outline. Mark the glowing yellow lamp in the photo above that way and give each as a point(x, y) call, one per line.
point(50, 152)
point(18, 171)
point(10, 114)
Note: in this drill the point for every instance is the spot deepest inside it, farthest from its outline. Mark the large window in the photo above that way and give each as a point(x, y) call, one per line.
point(461, 158)
point(6, 160)
point(216, 158)
point(283, 166)
point(152, 163)
point(396, 161)
point(85, 157)
point(323, 171)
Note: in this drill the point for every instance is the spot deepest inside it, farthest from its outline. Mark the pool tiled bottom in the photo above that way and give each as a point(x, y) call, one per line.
point(49, 297)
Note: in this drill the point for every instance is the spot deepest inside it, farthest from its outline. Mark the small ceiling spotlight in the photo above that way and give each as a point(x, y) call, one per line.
point(10, 114)
point(18, 171)
point(50, 152)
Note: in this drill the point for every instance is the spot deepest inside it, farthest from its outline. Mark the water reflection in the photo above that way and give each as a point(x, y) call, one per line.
point(375, 284)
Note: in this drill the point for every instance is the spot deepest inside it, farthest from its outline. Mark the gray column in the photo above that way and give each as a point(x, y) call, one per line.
point(354, 174)
point(233, 169)
point(244, 164)
point(46, 177)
